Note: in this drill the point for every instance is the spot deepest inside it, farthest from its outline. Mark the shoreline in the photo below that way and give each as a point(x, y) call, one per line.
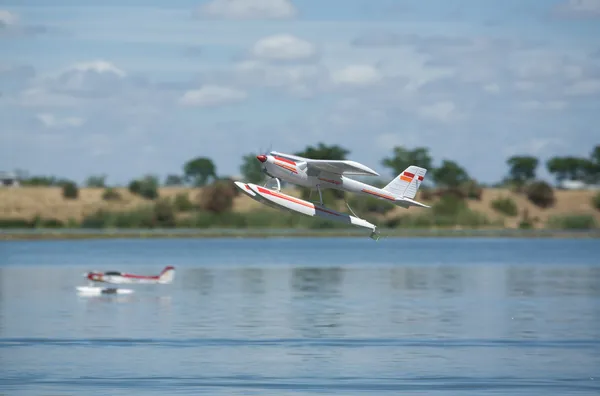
point(74, 234)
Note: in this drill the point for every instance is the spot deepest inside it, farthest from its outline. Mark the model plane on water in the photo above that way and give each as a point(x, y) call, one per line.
point(332, 174)
point(114, 277)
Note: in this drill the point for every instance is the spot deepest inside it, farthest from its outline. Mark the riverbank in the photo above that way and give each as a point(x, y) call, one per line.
point(72, 234)
point(45, 207)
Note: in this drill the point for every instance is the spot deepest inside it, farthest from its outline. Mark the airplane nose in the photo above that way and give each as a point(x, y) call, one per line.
point(261, 158)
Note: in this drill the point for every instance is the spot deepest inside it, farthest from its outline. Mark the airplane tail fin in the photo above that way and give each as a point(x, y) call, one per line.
point(167, 275)
point(407, 183)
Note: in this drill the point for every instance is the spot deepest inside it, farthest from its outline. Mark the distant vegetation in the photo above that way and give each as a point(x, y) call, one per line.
point(208, 199)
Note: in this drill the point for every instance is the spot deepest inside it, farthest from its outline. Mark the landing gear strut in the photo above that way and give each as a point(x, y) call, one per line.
point(277, 180)
point(320, 195)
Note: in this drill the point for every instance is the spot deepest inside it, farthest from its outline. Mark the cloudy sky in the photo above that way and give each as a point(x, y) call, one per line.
point(129, 88)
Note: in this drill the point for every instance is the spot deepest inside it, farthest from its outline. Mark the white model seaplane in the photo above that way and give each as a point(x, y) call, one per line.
point(323, 174)
point(114, 277)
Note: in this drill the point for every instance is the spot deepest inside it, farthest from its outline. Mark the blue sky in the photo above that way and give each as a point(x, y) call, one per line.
point(130, 88)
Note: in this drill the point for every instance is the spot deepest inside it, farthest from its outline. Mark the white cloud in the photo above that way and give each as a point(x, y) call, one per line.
point(51, 121)
point(248, 9)
point(580, 8)
point(589, 86)
point(283, 47)
point(356, 75)
point(98, 66)
point(441, 111)
point(212, 95)
point(8, 18)
point(543, 105)
point(299, 80)
point(492, 88)
point(11, 25)
point(42, 97)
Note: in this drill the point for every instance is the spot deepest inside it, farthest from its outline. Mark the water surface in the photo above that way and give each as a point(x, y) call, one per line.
point(304, 316)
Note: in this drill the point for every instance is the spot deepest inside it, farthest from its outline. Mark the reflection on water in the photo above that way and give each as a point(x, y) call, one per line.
point(426, 325)
point(317, 282)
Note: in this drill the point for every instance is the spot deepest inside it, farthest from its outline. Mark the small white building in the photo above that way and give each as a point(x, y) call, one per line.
point(577, 185)
point(8, 179)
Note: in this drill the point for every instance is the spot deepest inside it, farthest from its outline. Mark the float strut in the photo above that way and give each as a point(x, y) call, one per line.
point(320, 195)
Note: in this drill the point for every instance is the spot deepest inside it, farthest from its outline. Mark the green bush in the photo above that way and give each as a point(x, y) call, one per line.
point(506, 206)
point(182, 202)
point(135, 186)
point(449, 205)
point(159, 215)
point(50, 223)
point(540, 194)
point(149, 187)
point(471, 189)
point(164, 215)
point(15, 223)
point(146, 187)
point(110, 194)
point(217, 197)
point(572, 222)
point(364, 204)
point(70, 190)
point(596, 201)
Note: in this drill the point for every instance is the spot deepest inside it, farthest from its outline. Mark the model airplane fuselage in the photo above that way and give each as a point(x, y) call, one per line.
point(166, 276)
point(333, 174)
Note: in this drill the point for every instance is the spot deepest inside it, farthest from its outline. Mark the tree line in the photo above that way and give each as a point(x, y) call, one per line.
point(213, 203)
point(522, 169)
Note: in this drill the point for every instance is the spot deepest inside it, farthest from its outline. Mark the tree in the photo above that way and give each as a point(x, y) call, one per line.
point(595, 156)
point(450, 175)
point(173, 180)
point(402, 158)
point(595, 167)
point(70, 190)
point(570, 168)
point(146, 187)
point(96, 181)
point(322, 151)
point(218, 197)
point(541, 194)
point(199, 171)
point(251, 169)
point(522, 168)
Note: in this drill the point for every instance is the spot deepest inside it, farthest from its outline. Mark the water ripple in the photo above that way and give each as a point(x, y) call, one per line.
point(299, 383)
point(301, 342)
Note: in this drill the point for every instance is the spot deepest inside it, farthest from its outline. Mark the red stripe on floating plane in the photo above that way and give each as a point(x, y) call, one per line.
point(295, 200)
point(420, 178)
point(409, 174)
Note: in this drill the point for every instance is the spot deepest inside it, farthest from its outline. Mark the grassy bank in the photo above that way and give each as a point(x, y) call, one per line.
point(75, 234)
point(177, 208)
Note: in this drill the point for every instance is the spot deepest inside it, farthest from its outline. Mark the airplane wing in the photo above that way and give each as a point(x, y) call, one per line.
point(342, 167)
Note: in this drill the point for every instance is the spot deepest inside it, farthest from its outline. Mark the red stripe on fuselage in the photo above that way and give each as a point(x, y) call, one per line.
point(285, 160)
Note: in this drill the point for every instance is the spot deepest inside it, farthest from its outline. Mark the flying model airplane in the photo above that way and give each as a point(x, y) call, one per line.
point(333, 174)
point(166, 276)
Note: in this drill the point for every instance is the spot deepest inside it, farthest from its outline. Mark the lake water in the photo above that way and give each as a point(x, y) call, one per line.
point(302, 316)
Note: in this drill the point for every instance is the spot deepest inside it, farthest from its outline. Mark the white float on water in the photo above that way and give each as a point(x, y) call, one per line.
point(96, 291)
